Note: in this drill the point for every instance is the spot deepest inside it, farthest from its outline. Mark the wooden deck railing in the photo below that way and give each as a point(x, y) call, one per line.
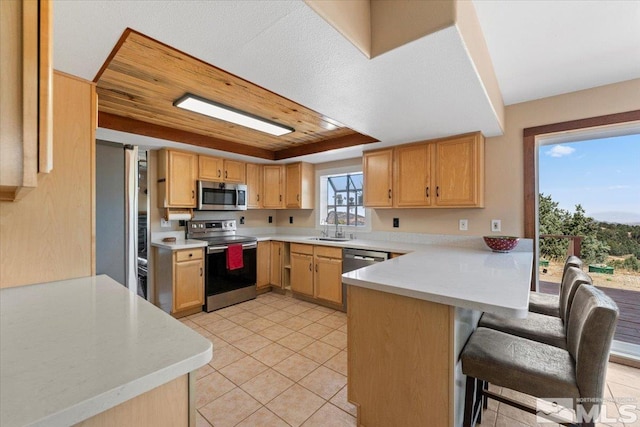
point(575, 242)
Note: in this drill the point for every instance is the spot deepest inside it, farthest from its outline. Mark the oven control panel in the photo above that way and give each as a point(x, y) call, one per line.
point(210, 227)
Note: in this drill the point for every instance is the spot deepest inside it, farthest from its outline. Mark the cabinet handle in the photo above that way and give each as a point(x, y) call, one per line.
point(438, 191)
point(298, 197)
point(219, 173)
point(226, 174)
point(389, 193)
point(427, 192)
point(257, 197)
point(316, 268)
point(281, 197)
point(310, 267)
point(193, 194)
point(278, 251)
point(200, 271)
point(190, 255)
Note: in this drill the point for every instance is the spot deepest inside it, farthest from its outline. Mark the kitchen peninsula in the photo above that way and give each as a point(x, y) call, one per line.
point(89, 351)
point(408, 320)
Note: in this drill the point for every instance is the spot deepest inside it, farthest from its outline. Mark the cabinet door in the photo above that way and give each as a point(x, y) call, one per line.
point(181, 179)
point(328, 279)
point(210, 168)
point(378, 177)
point(272, 187)
point(263, 255)
point(188, 285)
point(275, 274)
point(254, 186)
point(234, 171)
point(412, 176)
point(293, 188)
point(459, 172)
point(302, 273)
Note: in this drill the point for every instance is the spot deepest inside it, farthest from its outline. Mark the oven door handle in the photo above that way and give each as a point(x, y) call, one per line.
point(220, 249)
point(249, 245)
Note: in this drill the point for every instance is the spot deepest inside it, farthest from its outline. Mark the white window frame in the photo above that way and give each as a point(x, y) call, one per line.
point(321, 191)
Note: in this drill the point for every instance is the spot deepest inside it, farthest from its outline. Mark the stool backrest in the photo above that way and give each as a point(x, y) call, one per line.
point(592, 323)
point(571, 261)
point(573, 278)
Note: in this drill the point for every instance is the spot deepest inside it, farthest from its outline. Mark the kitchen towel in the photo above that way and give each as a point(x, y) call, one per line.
point(235, 260)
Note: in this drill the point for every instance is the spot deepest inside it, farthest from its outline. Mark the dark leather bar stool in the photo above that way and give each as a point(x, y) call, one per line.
point(542, 370)
point(548, 304)
point(538, 327)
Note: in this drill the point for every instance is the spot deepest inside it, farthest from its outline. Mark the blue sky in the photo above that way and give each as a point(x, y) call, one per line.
point(603, 175)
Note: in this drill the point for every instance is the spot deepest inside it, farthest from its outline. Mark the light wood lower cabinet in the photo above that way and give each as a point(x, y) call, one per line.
point(180, 280)
point(316, 272)
point(275, 274)
point(263, 255)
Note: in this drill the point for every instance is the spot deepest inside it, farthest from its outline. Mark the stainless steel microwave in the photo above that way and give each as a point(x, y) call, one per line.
point(221, 196)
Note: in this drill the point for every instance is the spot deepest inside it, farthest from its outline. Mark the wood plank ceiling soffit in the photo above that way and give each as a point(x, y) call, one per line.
point(142, 77)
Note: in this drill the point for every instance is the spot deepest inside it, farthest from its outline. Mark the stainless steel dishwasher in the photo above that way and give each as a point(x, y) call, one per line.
point(353, 259)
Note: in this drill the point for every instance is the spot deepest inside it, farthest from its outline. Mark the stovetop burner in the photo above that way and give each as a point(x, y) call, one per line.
point(229, 240)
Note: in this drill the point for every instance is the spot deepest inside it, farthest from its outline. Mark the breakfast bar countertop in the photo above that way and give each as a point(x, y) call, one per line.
point(75, 348)
point(465, 277)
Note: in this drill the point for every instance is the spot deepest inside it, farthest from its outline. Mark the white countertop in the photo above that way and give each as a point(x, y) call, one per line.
point(72, 349)
point(462, 277)
point(179, 244)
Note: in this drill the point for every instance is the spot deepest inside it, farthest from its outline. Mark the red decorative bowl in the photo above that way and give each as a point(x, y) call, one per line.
point(501, 243)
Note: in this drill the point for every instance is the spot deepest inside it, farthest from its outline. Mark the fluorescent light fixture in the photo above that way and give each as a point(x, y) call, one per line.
point(228, 114)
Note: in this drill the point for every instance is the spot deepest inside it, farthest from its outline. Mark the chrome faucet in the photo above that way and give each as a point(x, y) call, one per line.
point(339, 233)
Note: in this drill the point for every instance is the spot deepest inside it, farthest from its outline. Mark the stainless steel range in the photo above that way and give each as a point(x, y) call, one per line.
point(224, 286)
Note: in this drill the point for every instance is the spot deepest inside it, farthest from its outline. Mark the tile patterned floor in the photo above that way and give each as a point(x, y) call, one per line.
point(278, 361)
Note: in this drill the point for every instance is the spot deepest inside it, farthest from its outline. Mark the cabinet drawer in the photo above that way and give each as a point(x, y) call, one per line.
point(329, 252)
point(188, 255)
point(302, 249)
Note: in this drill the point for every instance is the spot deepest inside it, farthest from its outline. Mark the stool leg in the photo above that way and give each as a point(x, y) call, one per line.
point(469, 399)
point(485, 399)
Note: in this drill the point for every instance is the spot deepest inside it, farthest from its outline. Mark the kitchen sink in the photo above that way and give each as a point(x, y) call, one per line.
point(331, 239)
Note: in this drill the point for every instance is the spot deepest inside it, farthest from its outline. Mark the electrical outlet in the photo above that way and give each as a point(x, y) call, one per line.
point(396, 222)
point(290, 220)
point(164, 223)
point(463, 225)
point(270, 219)
point(496, 225)
point(241, 220)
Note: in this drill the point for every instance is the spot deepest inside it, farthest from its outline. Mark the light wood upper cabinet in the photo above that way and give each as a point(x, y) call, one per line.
point(273, 186)
point(254, 186)
point(188, 280)
point(26, 95)
point(378, 178)
point(459, 171)
point(412, 176)
point(222, 170)
point(263, 255)
point(176, 179)
point(300, 186)
point(275, 273)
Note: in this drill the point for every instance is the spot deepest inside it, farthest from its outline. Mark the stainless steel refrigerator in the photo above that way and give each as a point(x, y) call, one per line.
point(117, 212)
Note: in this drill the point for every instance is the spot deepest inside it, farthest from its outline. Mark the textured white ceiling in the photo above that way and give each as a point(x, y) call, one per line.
point(425, 89)
point(543, 48)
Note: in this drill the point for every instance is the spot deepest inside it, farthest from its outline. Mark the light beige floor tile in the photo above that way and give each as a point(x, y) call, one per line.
point(325, 309)
point(332, 321)
point(307, 304)
point(625, 375)
point(259, 324)
point(488, 418)
point(278, 316)
point(264, 310)
point(306, 403)
point(234, 334)
point(324, 382)
point(248, 305)
point(519, 397)
point(241, 371)
point(229, 311)
point(331, 416)
point(282, 304)
point(188, 322)
point(296, 309)
point(338, 363)
point(342, 328)
point(296, 367)
point(211, 387)
point(503, 421)
point(626, 391)
point(296, 341)
point(319, 351)
point(316, 330)
point(296, 323)
point(272, 354)
point(340, 315)
point(229, 409)
point(510, 412)
point(243, 318)
point(224, 356)
point(275, 332)
point(204, 371)
point(202, 331)
point(340, 400)
point(252, 343)
point(314, 314)
point(217, 341)
point(263, 418)
point(201, 421)
point(267, 385)
point(219, 326)
point(336, 338)
point(207, 318)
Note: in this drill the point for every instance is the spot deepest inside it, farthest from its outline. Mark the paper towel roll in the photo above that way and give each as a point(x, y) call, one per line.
point(178, 215)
